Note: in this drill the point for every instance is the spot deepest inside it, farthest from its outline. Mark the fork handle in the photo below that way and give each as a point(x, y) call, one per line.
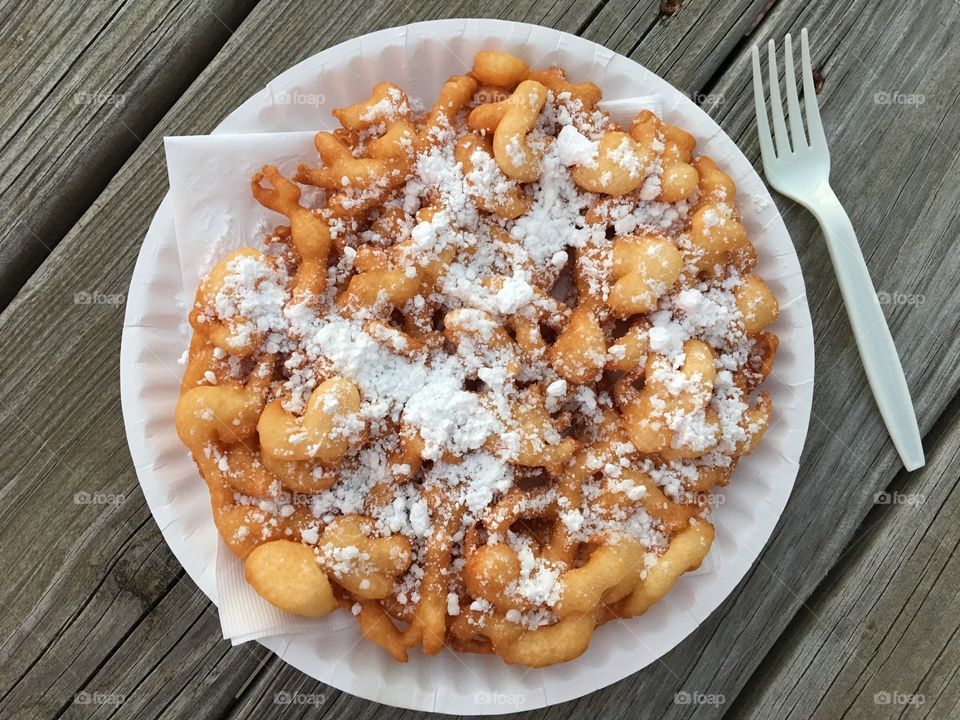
point(877, 350)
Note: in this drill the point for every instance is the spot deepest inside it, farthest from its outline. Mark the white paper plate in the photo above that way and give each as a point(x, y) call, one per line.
point(419, 57)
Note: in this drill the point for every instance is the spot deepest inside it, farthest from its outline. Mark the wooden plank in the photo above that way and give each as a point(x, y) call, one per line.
point(85, 81)
point(93, 604)
point(879, 638)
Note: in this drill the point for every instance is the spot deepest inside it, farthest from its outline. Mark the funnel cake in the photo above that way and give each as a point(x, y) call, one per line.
point(478, 390)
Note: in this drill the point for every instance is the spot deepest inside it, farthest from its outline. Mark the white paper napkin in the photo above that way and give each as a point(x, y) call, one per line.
point(214, 211)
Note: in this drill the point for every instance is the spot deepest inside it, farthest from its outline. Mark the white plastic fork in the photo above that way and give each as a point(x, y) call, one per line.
point(798, 166)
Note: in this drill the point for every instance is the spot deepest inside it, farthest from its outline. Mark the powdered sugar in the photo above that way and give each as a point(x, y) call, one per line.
point(253, 293)
point(574, 148)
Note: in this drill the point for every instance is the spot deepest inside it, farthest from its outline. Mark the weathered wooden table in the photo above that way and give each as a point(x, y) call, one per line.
point(852, 610)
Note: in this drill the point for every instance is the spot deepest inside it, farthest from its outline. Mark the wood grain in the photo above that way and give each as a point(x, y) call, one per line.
point(84, 82)
point(879, 637)
point(95, 602)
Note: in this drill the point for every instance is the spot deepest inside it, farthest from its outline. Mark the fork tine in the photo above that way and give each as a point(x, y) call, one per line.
point(759, 101)
point(814, 126)
point(793, 103)
point(776, 104)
